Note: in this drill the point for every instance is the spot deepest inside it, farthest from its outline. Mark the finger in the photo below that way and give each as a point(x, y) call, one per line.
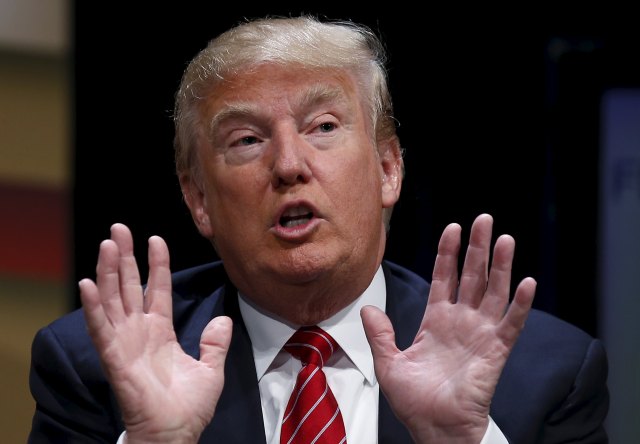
point(473, 279)
point(381, 337)
point(97, 322)
point(499, 286)
point(158, 293)
point(108, 281)
point(516, 315)
point(130, 285)
point(444, 281)
point(214, 342)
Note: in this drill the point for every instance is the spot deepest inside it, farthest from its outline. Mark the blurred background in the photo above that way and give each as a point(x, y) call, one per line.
point(36, 149)
point(532, 115)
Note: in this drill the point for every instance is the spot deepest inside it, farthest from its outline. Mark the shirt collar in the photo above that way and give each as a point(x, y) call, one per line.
point(269, 333)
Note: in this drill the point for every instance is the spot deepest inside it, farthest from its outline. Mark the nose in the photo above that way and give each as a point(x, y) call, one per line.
point(291, 156)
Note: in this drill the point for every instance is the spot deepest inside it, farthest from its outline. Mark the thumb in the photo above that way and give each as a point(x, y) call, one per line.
point(214, 342)
point(380, 334)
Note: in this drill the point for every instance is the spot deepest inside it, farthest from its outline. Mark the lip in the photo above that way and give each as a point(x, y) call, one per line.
point(301, 232)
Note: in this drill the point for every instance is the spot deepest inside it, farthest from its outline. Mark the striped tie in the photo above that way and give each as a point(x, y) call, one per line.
point(312, 415)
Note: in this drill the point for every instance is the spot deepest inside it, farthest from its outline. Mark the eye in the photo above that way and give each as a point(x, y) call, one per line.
point(327, 127)
point(248, 140)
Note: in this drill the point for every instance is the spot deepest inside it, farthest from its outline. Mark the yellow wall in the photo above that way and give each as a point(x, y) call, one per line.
point(34, 119)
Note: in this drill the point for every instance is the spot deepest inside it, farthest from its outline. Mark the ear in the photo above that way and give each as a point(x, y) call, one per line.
point(392, 170)
point(194, 197)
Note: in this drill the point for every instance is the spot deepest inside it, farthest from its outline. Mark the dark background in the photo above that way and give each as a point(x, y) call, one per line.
point(498, 112)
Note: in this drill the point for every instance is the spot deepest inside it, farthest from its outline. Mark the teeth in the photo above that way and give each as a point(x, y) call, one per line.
point(296, 216)
point(296, 211)
point(294, 222)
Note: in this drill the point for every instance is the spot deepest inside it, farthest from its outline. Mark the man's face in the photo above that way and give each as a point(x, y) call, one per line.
point(292, 186)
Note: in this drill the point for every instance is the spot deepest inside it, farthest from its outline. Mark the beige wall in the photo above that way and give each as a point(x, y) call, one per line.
point(25, 306)
point(34, 119)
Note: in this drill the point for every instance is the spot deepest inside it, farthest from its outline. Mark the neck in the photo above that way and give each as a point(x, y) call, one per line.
point(313, 302)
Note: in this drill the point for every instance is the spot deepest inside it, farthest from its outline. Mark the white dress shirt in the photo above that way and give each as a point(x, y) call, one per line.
point(350, 372)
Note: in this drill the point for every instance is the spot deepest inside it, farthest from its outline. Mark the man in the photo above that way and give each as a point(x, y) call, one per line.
point(289, 162)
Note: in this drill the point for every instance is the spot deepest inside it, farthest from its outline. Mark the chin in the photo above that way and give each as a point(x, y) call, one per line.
point(304, 265)
point(297, 273)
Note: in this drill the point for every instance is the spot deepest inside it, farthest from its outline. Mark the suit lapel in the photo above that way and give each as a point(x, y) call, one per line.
point(405, 307)
point(238, 416)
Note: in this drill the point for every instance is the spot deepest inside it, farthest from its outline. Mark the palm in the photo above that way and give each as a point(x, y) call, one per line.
point(451, 369)
point(164, 393)
point(146, 345)
point(446, 379)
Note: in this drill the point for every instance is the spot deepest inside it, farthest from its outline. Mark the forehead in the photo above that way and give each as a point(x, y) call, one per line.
point(270, 87)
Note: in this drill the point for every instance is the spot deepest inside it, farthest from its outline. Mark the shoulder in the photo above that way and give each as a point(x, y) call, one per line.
point(549, 345)
point(405, 279)
point(541, 329)
point(199, 280)
point(554, 382)
point(546, 341)
point(547, 333)
point(198, 287)
point(191, 288)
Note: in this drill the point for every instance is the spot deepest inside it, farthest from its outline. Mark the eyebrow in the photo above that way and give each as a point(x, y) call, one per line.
point(318, 94)
point(313, 96)
point(231, 111)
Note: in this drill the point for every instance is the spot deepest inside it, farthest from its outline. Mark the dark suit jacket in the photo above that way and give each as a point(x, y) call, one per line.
point(552, 390)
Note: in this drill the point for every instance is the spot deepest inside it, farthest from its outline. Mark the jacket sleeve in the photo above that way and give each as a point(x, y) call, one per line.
point(74, 403)
point(580, 417)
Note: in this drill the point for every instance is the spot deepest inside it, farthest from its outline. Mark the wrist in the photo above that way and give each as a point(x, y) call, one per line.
point(450, 434)
point(168, 437)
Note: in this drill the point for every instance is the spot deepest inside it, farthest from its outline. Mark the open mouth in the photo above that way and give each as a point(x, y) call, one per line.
point(295, 216)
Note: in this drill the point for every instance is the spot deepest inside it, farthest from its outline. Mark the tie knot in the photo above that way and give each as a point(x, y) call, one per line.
point(311, 345)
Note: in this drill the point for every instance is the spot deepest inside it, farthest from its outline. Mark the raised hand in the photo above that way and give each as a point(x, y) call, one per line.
point(442, 385)
point(165, 395)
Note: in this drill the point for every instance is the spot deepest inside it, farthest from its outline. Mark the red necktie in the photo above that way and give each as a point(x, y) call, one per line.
point(312, 415)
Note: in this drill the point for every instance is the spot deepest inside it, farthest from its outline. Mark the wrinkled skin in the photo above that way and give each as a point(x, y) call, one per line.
point(287, 142)
point(291, 193)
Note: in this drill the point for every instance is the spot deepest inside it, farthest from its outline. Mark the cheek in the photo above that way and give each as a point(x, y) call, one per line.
point(233, 197)
point(357, 187)
point(366, 176)
point(235, 183)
